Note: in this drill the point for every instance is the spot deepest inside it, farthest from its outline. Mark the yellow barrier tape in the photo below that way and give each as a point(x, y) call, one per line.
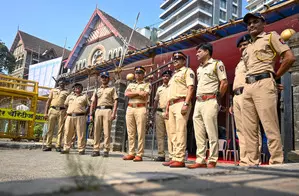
point(20, 115)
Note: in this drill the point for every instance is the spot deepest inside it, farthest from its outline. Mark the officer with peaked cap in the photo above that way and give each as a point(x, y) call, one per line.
point(104, 101)
point(55, 113)
point(77, 104)
point(212, 85)
point(162, 127)
point(260, 90)
point(180, 93)
point(136, 114)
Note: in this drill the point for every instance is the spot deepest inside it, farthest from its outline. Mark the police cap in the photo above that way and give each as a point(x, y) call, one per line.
point(139, 69)
point(104, 74)
point(167, 72)
point(255, 15)
point(179, 55)
point(243, 39)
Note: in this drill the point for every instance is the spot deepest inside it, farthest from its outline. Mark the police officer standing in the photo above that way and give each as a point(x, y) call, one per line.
point(77, 104)
point(238, 87)
point(212, 85)
point(104, 100)
point(136, 114)
point(181, 87)
point(55, 113)
point(162, 126)
point(260, 90)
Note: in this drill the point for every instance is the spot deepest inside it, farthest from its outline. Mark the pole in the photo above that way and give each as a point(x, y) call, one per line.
point(233, 133)
point(126, 44)
point(63, 51)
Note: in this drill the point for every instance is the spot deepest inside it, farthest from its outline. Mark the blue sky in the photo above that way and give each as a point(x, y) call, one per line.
point(54, 20)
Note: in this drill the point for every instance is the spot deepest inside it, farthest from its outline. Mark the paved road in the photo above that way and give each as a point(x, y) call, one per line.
point(33, 172)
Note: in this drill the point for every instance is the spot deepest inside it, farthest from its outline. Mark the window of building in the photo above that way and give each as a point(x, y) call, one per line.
point(223, 4)
point(110, 55)
point(114, 53)
point(120, 50)
point(235, 10)
point(235, 1)
point(84, 63)
point(222, 15)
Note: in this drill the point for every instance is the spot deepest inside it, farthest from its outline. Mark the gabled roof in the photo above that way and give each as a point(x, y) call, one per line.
point(117, 28)
point(36, 44)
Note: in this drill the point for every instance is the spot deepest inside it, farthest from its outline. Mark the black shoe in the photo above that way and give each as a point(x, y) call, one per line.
point(159, 159)
point(47, 149)
point(106, 154)
point(95, 154)
point(65, 152)
point(58, 149)
point(82, 152)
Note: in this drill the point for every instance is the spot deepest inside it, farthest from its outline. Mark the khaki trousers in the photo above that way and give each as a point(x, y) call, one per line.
point(102, 121)
point(161, 129)
point(178, 123)
point(60, 135)
point(136, 122)
point(205, 122)
point(77, 123)
point(55, 116)
point(237, 107)
point(260, 102)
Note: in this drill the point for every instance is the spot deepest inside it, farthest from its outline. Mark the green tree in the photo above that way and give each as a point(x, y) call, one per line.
point(7, 60)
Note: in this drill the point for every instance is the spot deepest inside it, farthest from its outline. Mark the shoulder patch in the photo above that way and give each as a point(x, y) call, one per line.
point(191, 75)
point(221, 68)
point(282, 41)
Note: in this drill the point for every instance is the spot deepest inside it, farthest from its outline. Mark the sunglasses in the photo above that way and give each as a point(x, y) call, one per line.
point(104, 77)
point(178, 58)
point(139, 72)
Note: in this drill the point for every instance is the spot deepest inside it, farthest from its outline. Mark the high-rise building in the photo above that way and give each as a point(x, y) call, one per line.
point(180, 16)
point(259, 5)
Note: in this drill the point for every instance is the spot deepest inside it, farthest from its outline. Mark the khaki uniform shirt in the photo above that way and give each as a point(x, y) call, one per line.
point(208, 77)
point(106, 96)
point(240, 71)
point(77, 104)
point(58, 97)
point(161, 96)
point(143, 86)
point(258, 56)
point(179, 82)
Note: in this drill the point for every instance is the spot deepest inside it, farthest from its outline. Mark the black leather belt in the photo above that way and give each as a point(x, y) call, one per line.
point(238, 91)
point(76, 114)
point(254, 78)
point(104, 107)
point(58, 108)
point(160, 109)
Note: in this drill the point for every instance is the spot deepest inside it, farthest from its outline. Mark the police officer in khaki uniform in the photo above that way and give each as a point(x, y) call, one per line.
point(260, 90)
point(181, 87)
point(104, 100)
point(55, 112)
point(161, 122)
point(77, 104)
point(136, 114)
point(212, 85)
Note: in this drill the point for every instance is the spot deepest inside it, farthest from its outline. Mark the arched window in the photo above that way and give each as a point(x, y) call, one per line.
point(120, 51)
point(115, 53)
point(84, 63)
point(110, 55)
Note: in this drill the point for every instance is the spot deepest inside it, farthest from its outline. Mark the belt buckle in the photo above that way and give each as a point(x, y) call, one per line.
point(102, 107)
point(57, 108)
point(74, 115)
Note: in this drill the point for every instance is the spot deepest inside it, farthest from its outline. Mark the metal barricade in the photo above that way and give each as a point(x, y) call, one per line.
point(21, 107)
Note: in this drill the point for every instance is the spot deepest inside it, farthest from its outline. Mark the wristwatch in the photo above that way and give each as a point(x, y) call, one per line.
point(186, 104)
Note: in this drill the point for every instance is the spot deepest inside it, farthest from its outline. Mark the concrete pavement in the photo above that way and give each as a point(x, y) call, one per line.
point(33, 172)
